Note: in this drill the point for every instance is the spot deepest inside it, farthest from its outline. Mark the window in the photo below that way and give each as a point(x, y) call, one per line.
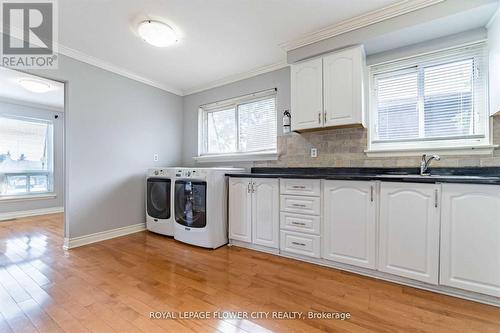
point(244, 125)
point(433, 101)
point(26, 156)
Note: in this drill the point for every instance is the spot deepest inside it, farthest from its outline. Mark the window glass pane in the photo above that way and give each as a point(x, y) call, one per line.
point(397, 101)
point(39, 183)
point(448, 109)
point(221, 131)
point(26, 153)
point(15, 185)
point(22, 145)
point(257, 125)
point(432, 100)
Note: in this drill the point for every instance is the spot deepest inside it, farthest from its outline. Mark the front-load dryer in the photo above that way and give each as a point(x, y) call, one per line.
point(159, 201)
point(200, 197)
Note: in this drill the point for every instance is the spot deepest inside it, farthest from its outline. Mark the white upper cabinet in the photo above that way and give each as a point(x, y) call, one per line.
point(240, 209)
point(409, 230)
point(307, 96)
point(328, 91)
point(265, 212)
point(470, 238)
point(343, 87)
point(349, 222)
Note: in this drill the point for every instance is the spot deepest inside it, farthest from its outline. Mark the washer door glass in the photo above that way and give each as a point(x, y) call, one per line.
point(158, 198)
point(191, 203)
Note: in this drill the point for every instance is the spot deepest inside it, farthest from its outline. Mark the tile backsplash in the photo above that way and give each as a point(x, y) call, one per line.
point(345, 148)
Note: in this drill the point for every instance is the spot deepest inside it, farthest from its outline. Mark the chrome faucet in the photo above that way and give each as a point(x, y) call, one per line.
point(426, 162)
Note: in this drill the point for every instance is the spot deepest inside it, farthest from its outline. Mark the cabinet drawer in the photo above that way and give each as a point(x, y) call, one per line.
point(306, 245)
point(301, 223)
point(300, 187)
point(300, 205)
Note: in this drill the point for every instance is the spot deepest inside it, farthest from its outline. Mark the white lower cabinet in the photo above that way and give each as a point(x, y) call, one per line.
point(240, 209)
point(254, 211)
point(470, 238)
point(441, 234)
point(302, 223)
point(298, 243)
point(300, 217)
point(265, 212)
point(349, 221)
point(409, 230)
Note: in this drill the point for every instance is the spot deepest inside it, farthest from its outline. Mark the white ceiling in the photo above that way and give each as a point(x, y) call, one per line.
point(218, 38)
point(12, 92)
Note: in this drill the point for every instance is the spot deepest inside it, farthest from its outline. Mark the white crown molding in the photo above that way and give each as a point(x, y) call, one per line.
point(236, 77)
point(27, 213)
point(70, 243)
point(88, 59)
point(361, 21)
point(492, 19)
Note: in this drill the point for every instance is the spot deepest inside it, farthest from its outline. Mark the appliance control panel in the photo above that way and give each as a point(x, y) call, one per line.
point(158, 172)
point(188, 173)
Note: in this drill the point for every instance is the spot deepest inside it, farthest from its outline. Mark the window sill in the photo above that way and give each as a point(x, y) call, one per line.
point(250, 157)
point(465, 150)
point(14, 198)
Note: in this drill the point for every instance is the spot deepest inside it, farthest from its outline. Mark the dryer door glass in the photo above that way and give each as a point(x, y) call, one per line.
point(158, 198)
point(191, 203)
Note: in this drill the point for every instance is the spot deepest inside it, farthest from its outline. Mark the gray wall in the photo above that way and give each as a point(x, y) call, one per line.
point(58, 201)
point(113, 127)
point(278, 79)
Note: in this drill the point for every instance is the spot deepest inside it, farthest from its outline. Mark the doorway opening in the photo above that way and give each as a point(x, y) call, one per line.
point(32, 151)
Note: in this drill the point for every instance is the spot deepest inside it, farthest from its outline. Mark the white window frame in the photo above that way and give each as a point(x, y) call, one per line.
point(459, 146)
point(263, 155)
point(28, 173)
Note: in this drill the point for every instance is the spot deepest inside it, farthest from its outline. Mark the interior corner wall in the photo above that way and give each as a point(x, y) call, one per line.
point(113, 127)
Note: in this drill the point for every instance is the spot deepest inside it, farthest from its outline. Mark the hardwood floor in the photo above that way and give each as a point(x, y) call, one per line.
point(113, 286)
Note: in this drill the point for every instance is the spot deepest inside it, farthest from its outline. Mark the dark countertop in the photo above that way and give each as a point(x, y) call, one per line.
point(487, 175)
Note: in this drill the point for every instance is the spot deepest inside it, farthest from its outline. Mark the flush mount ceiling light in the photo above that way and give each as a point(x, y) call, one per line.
point(34, 85)
point(157, 33)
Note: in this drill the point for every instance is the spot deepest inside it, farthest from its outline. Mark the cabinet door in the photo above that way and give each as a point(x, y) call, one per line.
point(470, 238)
point(265, 212)
point(240, 209)
point(307, 95)
point(349, 222)
point(343, 87)
point(409, 230)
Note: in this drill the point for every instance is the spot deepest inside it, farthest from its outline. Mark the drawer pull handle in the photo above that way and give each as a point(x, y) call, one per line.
point(298, 187)
point(299, 244)
point(299, 205)
point(298, 223)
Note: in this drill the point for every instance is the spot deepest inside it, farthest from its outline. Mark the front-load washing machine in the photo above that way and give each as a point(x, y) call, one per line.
point(200, 201)
point(160, 201)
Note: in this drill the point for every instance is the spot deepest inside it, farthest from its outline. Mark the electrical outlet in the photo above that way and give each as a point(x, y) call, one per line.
point(314, 152)
point(156, 157)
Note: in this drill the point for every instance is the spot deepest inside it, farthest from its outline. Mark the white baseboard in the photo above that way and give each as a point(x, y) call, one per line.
point(27, 213)
point(70, 243)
